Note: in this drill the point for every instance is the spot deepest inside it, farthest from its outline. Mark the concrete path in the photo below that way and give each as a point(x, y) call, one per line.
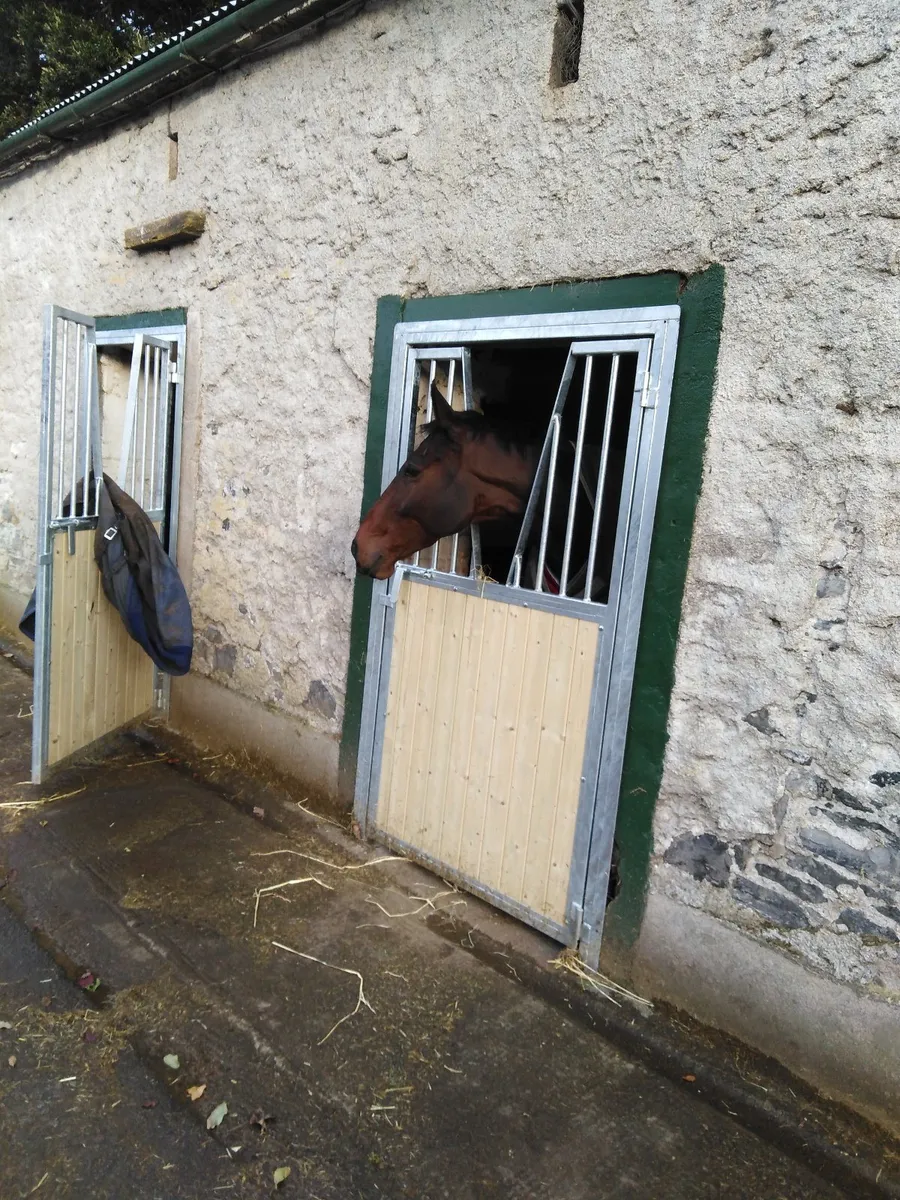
point(375, 1031)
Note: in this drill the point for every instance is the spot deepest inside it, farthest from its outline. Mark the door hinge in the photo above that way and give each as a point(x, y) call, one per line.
point(175, 375)
point(576, 919)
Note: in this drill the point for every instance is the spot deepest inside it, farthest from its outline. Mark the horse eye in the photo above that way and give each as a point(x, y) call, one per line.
point(411, 470)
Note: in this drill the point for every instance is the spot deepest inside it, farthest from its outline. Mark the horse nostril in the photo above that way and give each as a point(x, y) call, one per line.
point(354, 548)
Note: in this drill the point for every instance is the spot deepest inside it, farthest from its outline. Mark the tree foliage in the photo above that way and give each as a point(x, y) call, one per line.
point(50, 49)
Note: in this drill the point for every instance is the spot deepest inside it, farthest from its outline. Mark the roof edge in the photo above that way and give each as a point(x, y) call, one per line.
point(172, 65)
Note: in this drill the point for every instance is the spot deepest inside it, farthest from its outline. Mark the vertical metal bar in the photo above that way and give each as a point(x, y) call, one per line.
point(432, 369)
point(142, 500)
point(414, 424)
point(157, 353)
point(170, 472)
point(515, 571)
point(80, 335)
point(601, 475)
point(128, 426)
point(63, 404)
point(43, 596)
point(429, 414)
point(451, 382)
point(86, 400)
point(548, 501)
point(469, 405)
point(576, 474)
point(96, 431)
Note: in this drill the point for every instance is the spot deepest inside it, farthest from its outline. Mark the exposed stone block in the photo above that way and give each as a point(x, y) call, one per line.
point(165, 232)
point(800, 888)
point(858, 922)
point(774, 907)
point(703, 855)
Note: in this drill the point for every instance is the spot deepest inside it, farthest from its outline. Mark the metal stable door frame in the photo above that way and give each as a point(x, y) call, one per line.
point(75, 395)
point(652, 334)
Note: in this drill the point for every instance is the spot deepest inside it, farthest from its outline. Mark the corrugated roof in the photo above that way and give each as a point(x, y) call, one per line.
point(205, 48)
point(176, 39)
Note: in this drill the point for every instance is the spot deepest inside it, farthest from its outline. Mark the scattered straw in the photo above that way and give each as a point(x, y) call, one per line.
point(301, 804)
point(45, 800)
point(46, 1175)
point(323, 862)
point(360, 1000)
point(425, 903)
point(569, 961)
point(287, 883)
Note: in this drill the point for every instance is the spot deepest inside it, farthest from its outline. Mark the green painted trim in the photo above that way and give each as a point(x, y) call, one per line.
point(633, 291)
point(701, 299)
point(143, 320)
point(702, 303)
point(388, 313)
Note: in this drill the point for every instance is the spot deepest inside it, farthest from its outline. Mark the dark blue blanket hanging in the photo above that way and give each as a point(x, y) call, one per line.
point(141, 581)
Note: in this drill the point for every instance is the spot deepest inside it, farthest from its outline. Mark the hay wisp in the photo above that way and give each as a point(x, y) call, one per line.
point(323, 862)
point(569, 961)
point(425, 903)
point(275, 887)
point(45, 800)
point(360, 1000)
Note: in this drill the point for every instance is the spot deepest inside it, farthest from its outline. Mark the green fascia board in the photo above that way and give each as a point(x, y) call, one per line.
point(701, 300)
point(162, 318)
point(168, 70)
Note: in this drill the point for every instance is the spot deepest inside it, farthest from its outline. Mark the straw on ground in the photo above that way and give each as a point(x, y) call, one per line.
point(360, 1000)
point(275, 887)
point(323, 862)
point(569, 961)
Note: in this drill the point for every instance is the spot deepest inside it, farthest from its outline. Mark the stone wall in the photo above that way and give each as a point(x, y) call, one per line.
point(419, 149)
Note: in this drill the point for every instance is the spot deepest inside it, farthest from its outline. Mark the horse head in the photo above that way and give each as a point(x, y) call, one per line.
point(459, 475)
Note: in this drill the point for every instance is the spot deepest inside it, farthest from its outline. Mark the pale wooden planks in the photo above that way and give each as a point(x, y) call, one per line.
point(99, 677)
point(485, 729)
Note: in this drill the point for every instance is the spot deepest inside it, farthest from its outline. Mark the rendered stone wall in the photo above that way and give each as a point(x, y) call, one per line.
point(419, 149)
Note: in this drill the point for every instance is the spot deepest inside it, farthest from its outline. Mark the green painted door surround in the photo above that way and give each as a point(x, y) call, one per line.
point(701, 300)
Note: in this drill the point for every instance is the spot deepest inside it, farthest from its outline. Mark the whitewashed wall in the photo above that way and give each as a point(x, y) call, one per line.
point(419, 150)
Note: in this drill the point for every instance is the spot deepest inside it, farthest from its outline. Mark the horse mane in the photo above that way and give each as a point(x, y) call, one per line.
point(510, 434)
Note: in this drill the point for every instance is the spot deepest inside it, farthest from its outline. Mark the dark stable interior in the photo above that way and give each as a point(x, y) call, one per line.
point(515, 384)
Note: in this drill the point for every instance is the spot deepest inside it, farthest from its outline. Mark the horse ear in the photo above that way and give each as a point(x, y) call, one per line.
point(443, 413)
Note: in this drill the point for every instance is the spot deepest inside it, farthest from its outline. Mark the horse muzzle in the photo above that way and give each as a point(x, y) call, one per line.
point(371, 566)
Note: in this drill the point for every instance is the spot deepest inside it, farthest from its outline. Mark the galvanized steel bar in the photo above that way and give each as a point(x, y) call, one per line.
point(80, 337)
point(601, 475)
point(63, 405)
point(548, 502)
point(86, 402)
point(576, 476)
point(514, 578)
point(451, 381)
point(469, 406)
point(153, 426)
point(142, 500)
point(45, 550)
point(429, 413)
point(128, 424)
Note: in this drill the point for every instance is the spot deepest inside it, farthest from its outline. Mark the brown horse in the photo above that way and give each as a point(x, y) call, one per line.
point(464, 472)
